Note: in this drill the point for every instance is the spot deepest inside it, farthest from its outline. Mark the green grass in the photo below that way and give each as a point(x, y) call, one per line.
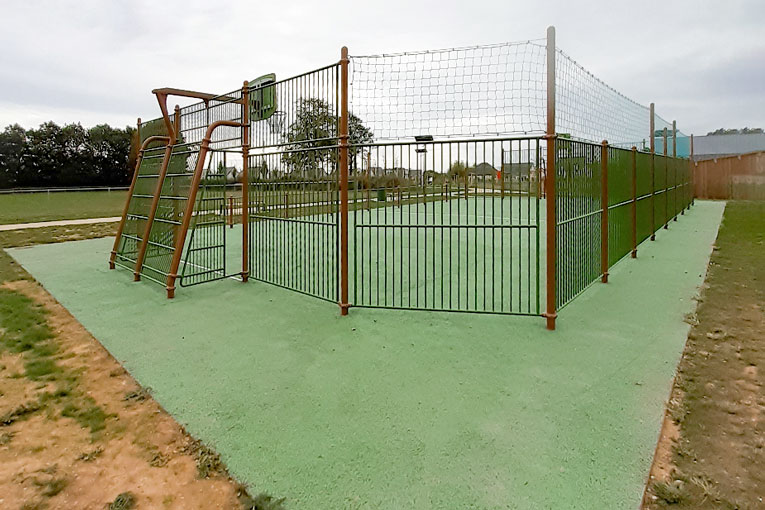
point(24, 330)
point(60, 205)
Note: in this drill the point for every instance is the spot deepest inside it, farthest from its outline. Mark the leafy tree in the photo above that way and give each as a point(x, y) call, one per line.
point(316, 126)
point(457, 170)
point(744, 131)
point(52, 155)
point(13, 142)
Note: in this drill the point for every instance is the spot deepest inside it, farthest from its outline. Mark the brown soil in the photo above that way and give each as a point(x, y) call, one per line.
point(51, 461)
point(711, 453)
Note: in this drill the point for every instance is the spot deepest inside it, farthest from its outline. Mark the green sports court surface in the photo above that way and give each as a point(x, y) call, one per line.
point(407, 409)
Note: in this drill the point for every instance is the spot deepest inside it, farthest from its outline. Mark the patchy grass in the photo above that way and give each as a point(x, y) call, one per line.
point(89, 416)
point(718, 391)
point(124, 501)
point(63, 205)
point(10, 270)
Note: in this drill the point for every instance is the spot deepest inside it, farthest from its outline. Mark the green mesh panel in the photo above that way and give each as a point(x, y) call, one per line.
point(643, 196)
point(139, 206)
point(205, 251)
point(619, 204)
point(172, 202)
point(660, 190)
point(577, 215)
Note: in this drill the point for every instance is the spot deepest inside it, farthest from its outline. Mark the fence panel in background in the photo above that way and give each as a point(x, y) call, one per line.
point(577, 214)
point(448, 225)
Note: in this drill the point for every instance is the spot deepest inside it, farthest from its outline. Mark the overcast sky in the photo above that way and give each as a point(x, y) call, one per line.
point(702, 62)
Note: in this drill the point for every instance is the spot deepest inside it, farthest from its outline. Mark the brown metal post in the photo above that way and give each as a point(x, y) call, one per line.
point(189, 212)
point(692, 176)
point(604, 212)
point(666, 192)
point(674, 163)
point(343, 139)
point(245, 181)
point(177, 129)
point(126, 207)
point(634, 202)
point(551, 288)
point(653, 175)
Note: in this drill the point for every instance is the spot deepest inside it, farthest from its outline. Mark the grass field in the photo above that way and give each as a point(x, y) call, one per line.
point(396, 409)
point(716, 406)
point(61, 205)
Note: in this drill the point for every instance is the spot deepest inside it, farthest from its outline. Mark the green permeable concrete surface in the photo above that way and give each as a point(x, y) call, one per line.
point(398, 409)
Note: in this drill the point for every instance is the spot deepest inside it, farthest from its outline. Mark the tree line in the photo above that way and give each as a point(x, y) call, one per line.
point(69, 155)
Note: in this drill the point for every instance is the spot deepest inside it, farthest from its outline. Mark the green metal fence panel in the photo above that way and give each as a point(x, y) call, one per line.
point(294, 221)
point(447, 225)
point(660, 190)
point(170, 208)
point(644, 196)
point(619, 204)
point(139, 206)
point(204, 257)
point(577, 215)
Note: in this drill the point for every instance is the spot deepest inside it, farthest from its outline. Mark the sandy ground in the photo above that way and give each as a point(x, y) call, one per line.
point(712, 449)
point(50, 461)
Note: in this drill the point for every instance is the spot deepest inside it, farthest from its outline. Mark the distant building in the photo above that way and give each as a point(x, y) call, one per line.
point(720, 146)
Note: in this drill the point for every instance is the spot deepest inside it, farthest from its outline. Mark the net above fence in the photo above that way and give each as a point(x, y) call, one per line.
point(489, 90)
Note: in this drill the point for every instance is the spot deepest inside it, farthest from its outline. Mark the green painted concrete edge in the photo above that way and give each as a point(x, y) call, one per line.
point(394, 409)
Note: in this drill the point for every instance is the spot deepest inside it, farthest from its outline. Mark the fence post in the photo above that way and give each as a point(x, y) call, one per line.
point(551, 287)
point(604, 212)
point(653, 175)
point(666, 188)
point(634, 202)
point(231, 212)
point(343, 139)
point(245, 181)
point(674, 165)
point(692, 176)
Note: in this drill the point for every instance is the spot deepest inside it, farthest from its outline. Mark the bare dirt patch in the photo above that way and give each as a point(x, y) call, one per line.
point(717, 404)
point(76, 430)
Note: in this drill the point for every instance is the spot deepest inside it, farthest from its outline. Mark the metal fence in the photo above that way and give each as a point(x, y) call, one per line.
point(433, 198)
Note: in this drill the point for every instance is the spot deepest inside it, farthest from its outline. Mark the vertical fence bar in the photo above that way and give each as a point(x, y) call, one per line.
point(634, 202)
point(692, 175)
point(666, 181)
point(674, 167)
point(604, 212)
point(343, 139)
point(653, 174)
point(245, 181)
point(550, 312)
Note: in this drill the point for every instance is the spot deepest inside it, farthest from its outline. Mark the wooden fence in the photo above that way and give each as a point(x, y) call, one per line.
point(734, 177)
